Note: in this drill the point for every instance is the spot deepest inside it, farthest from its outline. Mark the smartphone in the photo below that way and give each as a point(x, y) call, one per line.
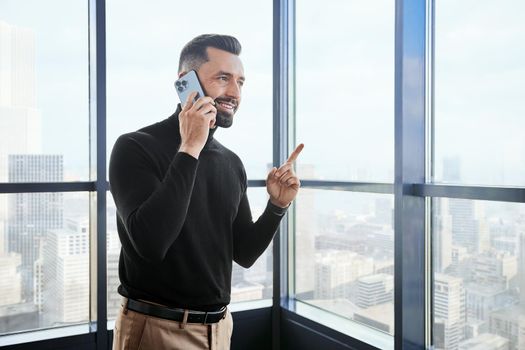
point(187, 84)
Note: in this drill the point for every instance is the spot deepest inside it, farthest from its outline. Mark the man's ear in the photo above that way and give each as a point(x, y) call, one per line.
point(182, 73)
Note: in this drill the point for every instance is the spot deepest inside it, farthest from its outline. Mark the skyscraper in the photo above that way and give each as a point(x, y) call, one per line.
point(10, 279)
point(336, 270)
point(20, 129)
point(521, 271)
point(449, 310)
point(375, 289)
point(469, 228)
point(442, 238)
point(32, 214)
point(521, 274)
point(66, 273)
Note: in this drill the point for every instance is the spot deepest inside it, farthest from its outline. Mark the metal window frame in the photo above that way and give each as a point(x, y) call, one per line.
point(413, 128)
point(414, 149)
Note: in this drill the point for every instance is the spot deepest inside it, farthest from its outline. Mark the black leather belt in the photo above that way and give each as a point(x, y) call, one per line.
point(176, 314)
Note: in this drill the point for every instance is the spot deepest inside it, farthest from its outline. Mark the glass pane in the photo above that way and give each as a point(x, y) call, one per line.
point(44, 86)
point(44, 261)
point(142, 68)
point(256, 282)
point(479, 274)
point(344, 255)
point(479, 92)
point(345, 89)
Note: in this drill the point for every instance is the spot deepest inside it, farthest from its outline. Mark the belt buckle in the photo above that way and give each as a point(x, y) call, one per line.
point(205, 317)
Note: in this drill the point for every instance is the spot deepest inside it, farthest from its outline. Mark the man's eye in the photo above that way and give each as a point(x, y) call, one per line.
point(224, 78)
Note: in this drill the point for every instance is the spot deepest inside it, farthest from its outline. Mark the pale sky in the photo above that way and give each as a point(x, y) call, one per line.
point(345, 81)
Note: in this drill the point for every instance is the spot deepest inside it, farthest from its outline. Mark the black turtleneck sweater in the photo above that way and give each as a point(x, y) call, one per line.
point(182, 221)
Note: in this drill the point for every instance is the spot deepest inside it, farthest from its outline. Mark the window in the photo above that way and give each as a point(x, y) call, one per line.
point(44, 235)
point(147, 70)
point(43, 85)
point(442, 270)
point(477, 245)
point(345, 90)
point(343, 241)
point(44, 276)
point(344, 260)
point(479, 74)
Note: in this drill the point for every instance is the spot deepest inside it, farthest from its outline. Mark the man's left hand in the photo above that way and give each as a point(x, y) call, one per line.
point(282, 184)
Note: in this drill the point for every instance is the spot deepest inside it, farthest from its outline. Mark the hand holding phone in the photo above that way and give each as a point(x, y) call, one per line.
point(195, 121)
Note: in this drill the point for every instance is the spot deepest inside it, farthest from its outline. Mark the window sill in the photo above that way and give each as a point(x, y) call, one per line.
point(43, 334)
point(343, 325)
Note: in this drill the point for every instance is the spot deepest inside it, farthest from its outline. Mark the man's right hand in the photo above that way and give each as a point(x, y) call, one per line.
point(195, 121)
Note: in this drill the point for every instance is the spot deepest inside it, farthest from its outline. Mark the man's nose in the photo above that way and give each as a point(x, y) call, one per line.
point(234, 90)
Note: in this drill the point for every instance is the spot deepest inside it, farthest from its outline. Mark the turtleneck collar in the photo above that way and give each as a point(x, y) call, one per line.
point(174, 119)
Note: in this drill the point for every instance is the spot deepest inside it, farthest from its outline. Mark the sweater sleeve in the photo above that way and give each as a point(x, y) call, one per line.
point(152, 210)
point(250, 239)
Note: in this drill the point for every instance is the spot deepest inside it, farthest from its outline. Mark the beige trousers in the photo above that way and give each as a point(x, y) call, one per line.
point(134, 331)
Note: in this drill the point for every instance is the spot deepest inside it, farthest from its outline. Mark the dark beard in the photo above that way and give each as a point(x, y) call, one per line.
point(224, 120)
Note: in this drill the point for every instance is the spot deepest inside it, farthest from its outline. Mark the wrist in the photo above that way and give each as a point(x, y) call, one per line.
point(279, 204)
point(192, 151)
point(276, 209)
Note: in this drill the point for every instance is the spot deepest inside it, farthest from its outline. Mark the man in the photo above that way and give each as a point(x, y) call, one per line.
point(183, 213)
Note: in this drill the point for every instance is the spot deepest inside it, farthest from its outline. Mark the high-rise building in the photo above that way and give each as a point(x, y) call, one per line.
point(494, 268)
point(20, 125)
point(521, 338)
point(485, 341)
point(32, 214)
point(442, 238)
point(505, 323)
point(375, 289)
point(521, 270)
point(10, 279)
point(335, 271)
point(449, 310)
point(469, 228)
point(452, 169)
point(17, 59)
point(383, 211)
point(482, 299)
point(305, 226)
point(66, 273)
point(521, 276)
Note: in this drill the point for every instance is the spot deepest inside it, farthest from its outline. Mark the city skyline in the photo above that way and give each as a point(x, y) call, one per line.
point(344, 242)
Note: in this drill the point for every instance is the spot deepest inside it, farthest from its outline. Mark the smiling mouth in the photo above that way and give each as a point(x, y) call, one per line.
point(227, 105)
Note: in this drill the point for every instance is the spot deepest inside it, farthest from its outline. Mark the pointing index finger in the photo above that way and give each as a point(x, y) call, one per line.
point(295, 153)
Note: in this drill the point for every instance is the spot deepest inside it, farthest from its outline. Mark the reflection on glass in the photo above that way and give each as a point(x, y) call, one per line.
point(44, 261)
point(344, 255)
point(345, 89)
point(254, 283)
point(479, 274)
point(479, 92)
point(44, 86)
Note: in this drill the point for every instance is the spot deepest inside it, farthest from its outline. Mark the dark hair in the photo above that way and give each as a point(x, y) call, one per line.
point(194, 54)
